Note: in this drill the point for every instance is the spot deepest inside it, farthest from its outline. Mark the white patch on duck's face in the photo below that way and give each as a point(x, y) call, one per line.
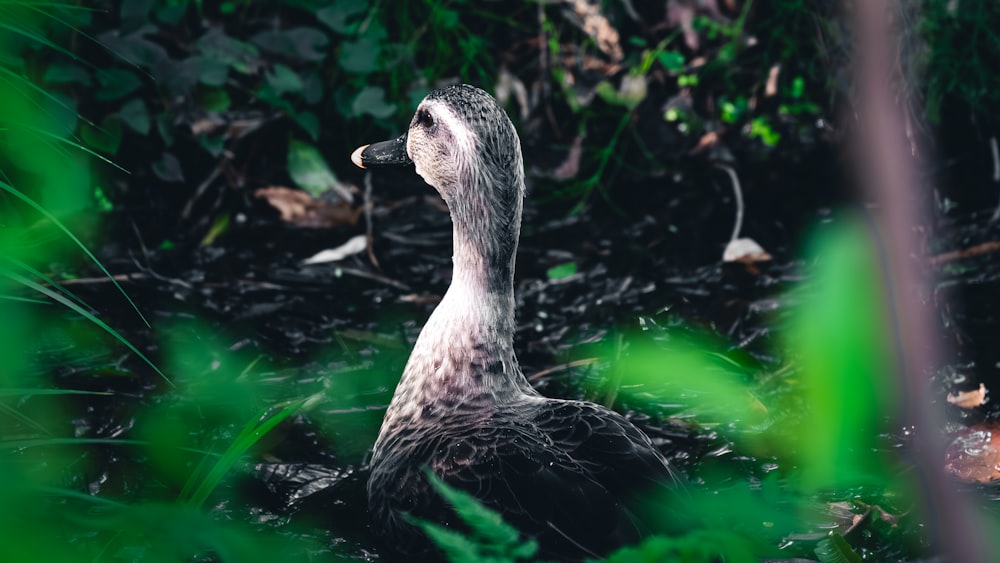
point(443, 151)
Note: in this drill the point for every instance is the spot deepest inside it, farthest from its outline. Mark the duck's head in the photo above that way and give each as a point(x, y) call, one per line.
point(462, 143)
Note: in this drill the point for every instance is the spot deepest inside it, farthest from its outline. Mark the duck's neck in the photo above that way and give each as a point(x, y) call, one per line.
point(464, 356)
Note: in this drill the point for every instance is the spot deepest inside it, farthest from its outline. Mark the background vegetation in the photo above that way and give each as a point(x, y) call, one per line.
point(175, 385)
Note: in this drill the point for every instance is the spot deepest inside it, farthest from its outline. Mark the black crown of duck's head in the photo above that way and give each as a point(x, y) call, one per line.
point(462, 143)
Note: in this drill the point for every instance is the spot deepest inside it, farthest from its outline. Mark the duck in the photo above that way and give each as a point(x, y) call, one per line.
point(561, 471)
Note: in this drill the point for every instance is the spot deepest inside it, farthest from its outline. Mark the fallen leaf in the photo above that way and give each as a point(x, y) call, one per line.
point(969, 399)
point(571, 166)
point(771, 89)
point(354, 245)
point(300, 208)
point(599, 28)
point(746, 251)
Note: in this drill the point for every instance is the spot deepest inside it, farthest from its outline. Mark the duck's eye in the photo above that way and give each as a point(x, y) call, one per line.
point(424, 118)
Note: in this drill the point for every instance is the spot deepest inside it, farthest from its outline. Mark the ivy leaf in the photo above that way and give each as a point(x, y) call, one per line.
point(134, 13)
point(309, 169)
point(168, 168)
point(238, 55)
point(107, 139)
point(340, 16)
point(308, 121)
point(214, 99)
point(116, 83)
point(671, 60)
point(210, 71)
point(67, 74)
point(360, 56)
point(305, 43)
point(136, 116)
point(283, 79)
point(180, 77)
point(371, 100)
point(561, 271)
point(134, 47)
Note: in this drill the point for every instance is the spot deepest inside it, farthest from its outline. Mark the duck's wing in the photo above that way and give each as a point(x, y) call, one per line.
point(562, 471)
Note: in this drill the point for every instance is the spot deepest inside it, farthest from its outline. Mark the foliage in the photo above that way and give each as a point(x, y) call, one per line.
point(963, 48)
point(490, 538)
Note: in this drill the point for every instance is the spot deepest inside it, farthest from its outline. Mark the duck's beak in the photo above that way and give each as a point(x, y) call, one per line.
point(386, 153)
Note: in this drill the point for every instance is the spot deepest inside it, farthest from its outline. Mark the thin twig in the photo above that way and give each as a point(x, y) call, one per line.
point(563, 367)
point(738, 193)
point(368, 222)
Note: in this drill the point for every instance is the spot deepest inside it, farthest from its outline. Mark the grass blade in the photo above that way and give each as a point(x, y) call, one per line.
point(16, 193)
point(90, 317)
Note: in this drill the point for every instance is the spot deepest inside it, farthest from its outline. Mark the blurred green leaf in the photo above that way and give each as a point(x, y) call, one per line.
point(308, 168)
point(116, 83)
point(180, 77)
point(217, 46)
point(835, 549)
point(671, 60)
point(214, 99)
point(67, 74)
point(304, 43)
point(561, 271)
point(798, 88)
point(490, 537)
point(211, 72)
point(341, 15)
point(309, 123)
point(283, 79)
point(360, 56)
point(136, 116)
point(168, 168)
point(841, 336)
point(371, 100)
point(134, 48)
point(107, 139)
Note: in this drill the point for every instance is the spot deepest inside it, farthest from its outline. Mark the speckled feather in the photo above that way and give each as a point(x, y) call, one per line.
point(560, 471)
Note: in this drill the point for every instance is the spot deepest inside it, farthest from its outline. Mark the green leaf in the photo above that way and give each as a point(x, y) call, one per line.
point(835, 549)
point(798, 87)
point(371, 100)
point(341, 15)
point(67, 74)
point(561, 271)
point(214, 99)
point(312, 93)
point(309, 123)
point(136, 116)
point(306, 43)
point(491, 538)
point(116, 83)
point(671, 60)
point(210, 71)
point(283, 79)
point(107, 139)
point(360, 56)
point(308, 168)
point(238, 55)
point(168, 168)
point(180, 77)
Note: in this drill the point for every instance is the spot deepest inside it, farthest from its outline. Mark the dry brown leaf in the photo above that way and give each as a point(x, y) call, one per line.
point(571, 166)
point(969, 399)
point(707, 141)
point(300, 208)
point(598, 28)
point(771, 89)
